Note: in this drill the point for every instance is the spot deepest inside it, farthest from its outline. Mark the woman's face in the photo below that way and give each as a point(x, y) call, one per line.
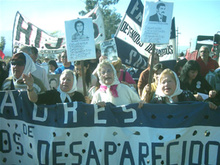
point(107, 75)
point(168, 85)
point(66, 82)
point(78, 70)
point(51, 68)
point(192, 74)
point(17, 68)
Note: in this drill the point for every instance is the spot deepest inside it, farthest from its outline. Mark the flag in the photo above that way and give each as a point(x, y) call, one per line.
point(129, 46)
point(98, 24)
point(2, 55)
point(25, 33)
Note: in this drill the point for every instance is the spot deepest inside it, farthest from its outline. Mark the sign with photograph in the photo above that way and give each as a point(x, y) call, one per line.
point(80, 39)
point(108, 48)
point(54, 80)
point(157, 20)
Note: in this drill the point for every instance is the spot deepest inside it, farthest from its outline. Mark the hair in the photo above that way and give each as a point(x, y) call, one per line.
point(77, 23)
point(34, 51)
point(179, 64)
point(204, 46)
point(19, 56)
point(167, 72)
point(189, 65)
point(160, 4)
point(158, 66)
point(54, 63)
point(88, 71)
point(117, 64)
point(66, 71)
point(26, 49)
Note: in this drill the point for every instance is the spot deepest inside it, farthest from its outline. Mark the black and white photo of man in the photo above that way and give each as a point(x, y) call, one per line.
point(160, 15)
point(79, 27)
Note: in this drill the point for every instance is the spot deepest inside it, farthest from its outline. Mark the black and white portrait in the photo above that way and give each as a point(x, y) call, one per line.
point(160, 15)
point(79, 34)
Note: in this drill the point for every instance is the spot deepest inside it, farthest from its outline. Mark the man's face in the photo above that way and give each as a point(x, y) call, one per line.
point(204, 53)
point(79, 27)
point(161, 10)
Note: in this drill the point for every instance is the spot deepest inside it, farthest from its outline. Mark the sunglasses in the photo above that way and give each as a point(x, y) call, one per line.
point(18, 63)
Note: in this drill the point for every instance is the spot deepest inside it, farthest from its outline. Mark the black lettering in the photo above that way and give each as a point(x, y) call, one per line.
point(207, 147)
point(199, 151)
point(46, 145)
point(92, 154)
point(168, 151)
point(20, 30)
point(58, 45)
point(74, 153)
point(183, 153)
point(126, 154)
point(141, 154)
point(154, 156)
point(108, 152)
point(56, 153)
point(5, 142)
point(19, 144)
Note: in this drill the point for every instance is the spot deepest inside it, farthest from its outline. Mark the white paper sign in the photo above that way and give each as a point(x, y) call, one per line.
point(108, 48)
point(156, 23)
point(80, 39)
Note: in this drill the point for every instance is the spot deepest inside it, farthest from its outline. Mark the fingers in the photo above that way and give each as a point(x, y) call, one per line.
point(212, 105)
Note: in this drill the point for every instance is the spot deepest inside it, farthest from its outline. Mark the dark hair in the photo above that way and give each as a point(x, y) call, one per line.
point(189, 65)
point(34, 50)
point(54, 63)
point(158, 66)
point(88, 71)
point(160, 4)
point(77, 23)
point(179, 64)
point(19, 56)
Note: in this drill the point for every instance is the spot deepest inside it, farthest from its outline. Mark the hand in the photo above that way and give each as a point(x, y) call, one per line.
point(101, 104)
point(212, 93)
point(198, 97)
point(141, 104)
point(88, 100)
point(28, 80)
point(212, 105)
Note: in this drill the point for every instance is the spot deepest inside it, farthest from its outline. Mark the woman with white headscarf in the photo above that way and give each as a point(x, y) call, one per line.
point(168, 90)
point(111, 90)
point(66, 91)
point(22, 65)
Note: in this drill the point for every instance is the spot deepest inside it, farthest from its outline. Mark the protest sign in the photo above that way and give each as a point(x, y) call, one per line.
point(156, 22)
point(25, 33)
point(79, 133)
point(80, 39)
point(108, 48)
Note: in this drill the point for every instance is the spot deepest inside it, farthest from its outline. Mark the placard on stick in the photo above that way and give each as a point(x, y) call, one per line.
point(80, 39)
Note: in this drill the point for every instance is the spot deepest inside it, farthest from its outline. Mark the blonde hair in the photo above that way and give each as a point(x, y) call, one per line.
point(167, 72)
point(117, 64)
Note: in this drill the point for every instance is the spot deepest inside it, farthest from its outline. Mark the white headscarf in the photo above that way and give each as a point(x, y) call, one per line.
point(64, 95)
point(106, 62)
point(177, 91)
point(29, 67)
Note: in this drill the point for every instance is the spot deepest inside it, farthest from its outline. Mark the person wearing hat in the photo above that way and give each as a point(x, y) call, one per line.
point(22, 66)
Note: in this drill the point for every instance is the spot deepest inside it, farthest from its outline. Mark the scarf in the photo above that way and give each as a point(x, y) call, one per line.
point(177, 91)
point(64, 95)
point(113, 90)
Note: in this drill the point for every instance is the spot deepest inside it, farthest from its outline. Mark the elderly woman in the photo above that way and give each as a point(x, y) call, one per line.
point(21, 65)
point(168, 90)
point(111, 90)
point(66, 91)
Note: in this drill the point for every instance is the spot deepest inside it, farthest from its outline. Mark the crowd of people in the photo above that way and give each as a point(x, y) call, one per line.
point(101, 81)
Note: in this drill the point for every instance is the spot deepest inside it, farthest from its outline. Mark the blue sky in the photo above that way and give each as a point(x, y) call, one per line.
point(193, 17)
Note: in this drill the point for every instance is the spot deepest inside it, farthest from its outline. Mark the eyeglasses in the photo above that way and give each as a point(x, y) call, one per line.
point(18, 63)
point(204, 51)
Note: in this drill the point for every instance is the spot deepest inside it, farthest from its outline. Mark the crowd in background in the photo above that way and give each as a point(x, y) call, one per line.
point(100, 81)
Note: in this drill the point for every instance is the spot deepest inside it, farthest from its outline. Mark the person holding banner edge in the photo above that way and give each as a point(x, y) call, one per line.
point(111, 90)
point(169, 91)
point(66, 91)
